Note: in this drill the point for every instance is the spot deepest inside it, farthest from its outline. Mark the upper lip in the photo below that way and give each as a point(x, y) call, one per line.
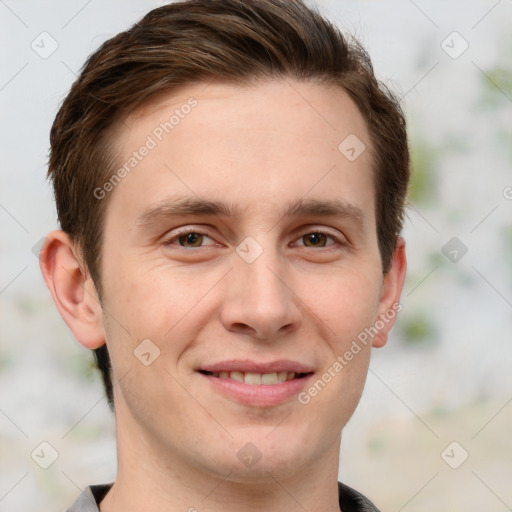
point(246, 365)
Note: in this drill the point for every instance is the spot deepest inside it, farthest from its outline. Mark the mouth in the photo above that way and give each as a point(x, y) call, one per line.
point(257, 379)
point(257, 384)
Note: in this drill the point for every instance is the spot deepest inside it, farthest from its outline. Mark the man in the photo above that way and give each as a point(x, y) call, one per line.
point(230, 181)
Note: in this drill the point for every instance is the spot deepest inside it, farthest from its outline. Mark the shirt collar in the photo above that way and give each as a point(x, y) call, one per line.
point(350, 500)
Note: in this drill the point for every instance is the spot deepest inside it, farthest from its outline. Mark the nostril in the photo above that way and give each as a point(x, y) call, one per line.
point(242, 327)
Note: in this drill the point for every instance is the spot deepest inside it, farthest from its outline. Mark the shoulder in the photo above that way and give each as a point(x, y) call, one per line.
point(350, 500)
point(353, 501)
point(90, 498)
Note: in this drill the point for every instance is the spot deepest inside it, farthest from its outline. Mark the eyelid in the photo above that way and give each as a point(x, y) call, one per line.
point(185, 231)
point(338, 238)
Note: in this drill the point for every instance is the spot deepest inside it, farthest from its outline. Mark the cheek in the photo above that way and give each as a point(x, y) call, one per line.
point(346, 303)
point(156, 302)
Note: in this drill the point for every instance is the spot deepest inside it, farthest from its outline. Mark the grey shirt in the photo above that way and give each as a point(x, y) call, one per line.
point(350, 500)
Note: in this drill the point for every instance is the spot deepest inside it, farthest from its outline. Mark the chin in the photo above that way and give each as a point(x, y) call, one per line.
point(262, 456)
point(266, 471)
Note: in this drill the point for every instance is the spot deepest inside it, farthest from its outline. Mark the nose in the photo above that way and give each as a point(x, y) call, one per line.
point(260, 299)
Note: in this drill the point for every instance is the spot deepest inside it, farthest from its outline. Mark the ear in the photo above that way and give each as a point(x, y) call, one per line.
point(72, 289)
point(389, 303)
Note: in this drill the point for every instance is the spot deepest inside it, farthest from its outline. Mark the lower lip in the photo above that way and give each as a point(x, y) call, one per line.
point(259, 395)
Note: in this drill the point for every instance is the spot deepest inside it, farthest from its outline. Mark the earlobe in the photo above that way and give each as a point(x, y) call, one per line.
point(72, 289)
point(389, 304)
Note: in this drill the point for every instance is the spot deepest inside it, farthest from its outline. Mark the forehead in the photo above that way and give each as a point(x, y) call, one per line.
point(300, 109)
point(255, 144)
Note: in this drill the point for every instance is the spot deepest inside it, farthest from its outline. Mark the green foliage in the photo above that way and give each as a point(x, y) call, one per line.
point(506, 236)
point(5, 360)
point(78, 364)
point(418, 329)
point(496, 86)
point(496, 97)
point(423, 180)
point(376, 445)
point(27, 306)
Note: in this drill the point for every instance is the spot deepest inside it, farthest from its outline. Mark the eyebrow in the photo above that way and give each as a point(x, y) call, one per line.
point(190, 206)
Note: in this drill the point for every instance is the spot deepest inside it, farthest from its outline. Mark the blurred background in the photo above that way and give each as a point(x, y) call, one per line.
point(433, 428)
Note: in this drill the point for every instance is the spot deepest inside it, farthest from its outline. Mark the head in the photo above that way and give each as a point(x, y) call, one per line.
point(240, 120)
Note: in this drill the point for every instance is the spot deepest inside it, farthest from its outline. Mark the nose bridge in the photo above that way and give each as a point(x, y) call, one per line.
point(262, 279)
point(259, 296)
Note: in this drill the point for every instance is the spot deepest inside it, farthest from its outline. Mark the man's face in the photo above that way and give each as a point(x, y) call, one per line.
point(258, 288)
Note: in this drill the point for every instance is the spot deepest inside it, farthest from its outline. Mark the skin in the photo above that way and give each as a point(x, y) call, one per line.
point(258, 148)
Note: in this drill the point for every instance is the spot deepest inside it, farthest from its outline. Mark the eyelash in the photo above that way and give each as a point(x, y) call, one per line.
point(188, 231)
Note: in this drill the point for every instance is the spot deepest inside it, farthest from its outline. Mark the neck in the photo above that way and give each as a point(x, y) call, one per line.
point(158, 479)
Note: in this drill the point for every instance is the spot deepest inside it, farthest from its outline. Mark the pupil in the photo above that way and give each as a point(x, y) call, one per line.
point(190, 239)
point(314, 238)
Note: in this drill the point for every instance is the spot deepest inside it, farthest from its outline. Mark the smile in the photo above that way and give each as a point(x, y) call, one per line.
point(257, 384)
point(256, 379)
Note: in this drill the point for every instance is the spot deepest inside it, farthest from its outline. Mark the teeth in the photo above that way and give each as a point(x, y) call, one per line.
point(281, 376)
point(253, 378)
point(256, 379)
point(239, 376)
point(269, 378)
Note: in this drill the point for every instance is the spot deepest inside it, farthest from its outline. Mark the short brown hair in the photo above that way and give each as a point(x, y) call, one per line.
point(192, 40)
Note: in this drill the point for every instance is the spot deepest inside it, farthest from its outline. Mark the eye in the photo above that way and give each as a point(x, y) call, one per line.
point(189, 239)
point(317, 239)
